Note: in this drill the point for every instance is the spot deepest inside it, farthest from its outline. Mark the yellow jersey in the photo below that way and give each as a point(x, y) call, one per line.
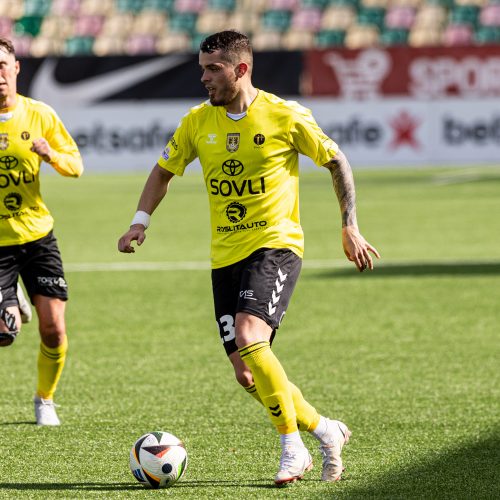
point(251, 171)
point(24, 217)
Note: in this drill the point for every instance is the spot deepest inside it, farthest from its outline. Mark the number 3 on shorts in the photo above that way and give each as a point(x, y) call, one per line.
point(227, 324)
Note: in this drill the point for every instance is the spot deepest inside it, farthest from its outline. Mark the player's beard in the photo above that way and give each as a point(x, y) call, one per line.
point(227, 95)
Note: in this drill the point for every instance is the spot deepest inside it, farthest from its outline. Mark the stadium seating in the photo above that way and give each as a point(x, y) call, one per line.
point(88, 25)
point(359, 36)
point(297, 40)
point(338, 17)
point(211, 21)
point(79, 45)
point(330, 38)
point(457, 34)
point(394, 36)
point(94, 7)
point(42, 46)
point(102, 27)
point(490, 15)
point(37, 7)
point(173, 42)
point(66, 8)
point(399, 17)
point(140, 44)
point(6, 24)
point(267, 40)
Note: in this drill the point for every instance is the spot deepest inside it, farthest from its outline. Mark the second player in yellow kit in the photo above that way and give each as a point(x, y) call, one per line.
point(31, 132)
point(23, 214)
point(248, 142)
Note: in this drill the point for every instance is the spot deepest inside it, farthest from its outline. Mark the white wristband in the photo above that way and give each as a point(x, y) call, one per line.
point(141, 217)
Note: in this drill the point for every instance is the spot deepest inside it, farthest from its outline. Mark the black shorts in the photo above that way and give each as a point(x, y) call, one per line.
point(261, 285)
point(40, 266)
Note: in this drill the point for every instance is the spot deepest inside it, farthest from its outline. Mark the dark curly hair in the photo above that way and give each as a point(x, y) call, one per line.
point(233, 45)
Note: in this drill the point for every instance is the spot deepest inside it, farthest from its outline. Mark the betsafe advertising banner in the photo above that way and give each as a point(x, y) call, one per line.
point(383, 133)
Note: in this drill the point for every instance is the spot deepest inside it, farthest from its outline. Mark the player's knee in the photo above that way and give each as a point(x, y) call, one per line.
point(52, 339)
point(10, 322)
point(52, 334)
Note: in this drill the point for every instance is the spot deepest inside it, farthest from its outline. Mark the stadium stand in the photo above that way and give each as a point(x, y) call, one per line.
point(112, 27)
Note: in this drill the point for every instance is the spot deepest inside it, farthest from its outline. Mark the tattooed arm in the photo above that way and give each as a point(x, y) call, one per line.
point(355, 246)
point(343, 183)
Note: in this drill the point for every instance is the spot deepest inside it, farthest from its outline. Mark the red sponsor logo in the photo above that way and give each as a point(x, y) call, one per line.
point(404, 127)
point(362, 76)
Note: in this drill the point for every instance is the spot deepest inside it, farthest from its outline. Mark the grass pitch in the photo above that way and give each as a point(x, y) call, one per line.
point(406, 355)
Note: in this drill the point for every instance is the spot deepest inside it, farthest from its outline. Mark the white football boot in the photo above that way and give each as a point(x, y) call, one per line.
point(24, 305)
point(295, 461)
point(337, 436)
point(45, 412)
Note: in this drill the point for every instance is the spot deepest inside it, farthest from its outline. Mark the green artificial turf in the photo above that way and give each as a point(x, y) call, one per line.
point(406, 355)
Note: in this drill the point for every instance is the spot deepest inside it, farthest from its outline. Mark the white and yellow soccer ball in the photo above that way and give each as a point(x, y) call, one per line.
point(158, 459)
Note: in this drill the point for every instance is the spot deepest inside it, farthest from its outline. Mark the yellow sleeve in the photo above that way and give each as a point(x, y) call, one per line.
point(66, 158)
point(309, 139)
point(180, 150)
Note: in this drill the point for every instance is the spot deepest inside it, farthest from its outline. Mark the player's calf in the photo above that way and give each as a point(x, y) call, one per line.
point(9, 319)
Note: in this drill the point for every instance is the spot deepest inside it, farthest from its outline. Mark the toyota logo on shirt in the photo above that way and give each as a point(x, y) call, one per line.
point(8, 162)
point(232, 167)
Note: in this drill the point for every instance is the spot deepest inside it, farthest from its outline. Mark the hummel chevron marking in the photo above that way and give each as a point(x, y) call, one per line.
point(275, 410)
point(279, 283)
point(281, 275)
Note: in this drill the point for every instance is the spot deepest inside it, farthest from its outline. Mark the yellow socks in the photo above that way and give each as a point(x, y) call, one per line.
point(272, 385)
point(50, 365)
point(307, 416)
point(252, 390)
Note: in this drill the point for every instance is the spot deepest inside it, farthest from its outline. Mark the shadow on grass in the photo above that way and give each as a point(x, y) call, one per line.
point(425, 269)
point(262, 483)
point(470, 472)
point(70, 486)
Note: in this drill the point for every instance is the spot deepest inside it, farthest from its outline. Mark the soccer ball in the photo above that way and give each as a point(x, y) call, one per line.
point(158, 459)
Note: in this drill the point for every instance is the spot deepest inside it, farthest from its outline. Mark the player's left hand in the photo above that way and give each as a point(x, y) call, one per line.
point(357, 249)
point(42, 148)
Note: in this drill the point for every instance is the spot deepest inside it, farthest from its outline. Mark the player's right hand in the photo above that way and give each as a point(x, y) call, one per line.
point(135, 233)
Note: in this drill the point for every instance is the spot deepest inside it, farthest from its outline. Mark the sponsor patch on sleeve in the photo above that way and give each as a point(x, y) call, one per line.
point(166, 153)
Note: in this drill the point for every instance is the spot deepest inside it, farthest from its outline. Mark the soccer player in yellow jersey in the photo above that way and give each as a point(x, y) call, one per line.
point(30, 132)
point(248, 142)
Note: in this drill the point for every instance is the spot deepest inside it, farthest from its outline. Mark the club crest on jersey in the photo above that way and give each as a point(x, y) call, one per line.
point(4, 141)
point(233, 142)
